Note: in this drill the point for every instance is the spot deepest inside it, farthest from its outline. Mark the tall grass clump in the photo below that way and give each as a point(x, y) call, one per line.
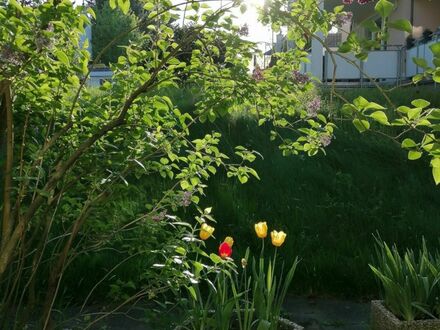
point(410, 281)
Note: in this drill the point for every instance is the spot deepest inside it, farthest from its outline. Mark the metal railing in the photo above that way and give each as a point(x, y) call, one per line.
point(392, 65)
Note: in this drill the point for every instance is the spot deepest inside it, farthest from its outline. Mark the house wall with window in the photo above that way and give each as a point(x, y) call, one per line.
point(424, 14)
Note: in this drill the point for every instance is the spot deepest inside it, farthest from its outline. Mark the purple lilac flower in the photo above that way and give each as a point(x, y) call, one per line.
point(343, 18)
point(11, 56)
point(325, 139)
point(313, 106)
point(257, 74)
point(300, 78)
point(159, 216)
point(186, 198)
point(42, 40)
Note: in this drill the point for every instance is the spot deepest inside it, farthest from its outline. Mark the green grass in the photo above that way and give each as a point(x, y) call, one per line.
point(399, 96)
point(329, 205)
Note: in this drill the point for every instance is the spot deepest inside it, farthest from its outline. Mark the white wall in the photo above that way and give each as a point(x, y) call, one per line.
point(421, 51)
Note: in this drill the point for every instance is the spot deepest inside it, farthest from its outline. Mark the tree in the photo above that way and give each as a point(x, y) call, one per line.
point(76, 151)
point(108, 25)
point(136, 6)
point(73, 153)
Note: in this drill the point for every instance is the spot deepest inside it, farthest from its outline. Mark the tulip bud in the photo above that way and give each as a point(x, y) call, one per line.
point(278, 237)
point(224, 250)
point(206, 231)
point(261, 229)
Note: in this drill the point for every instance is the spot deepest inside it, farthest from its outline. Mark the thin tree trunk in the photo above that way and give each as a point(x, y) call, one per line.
point(6, 104)
point(58, 270)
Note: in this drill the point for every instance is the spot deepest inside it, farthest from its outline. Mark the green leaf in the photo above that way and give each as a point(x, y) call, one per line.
point(435, 162)
point(243, 178)
point(184, 184)
point(380, 117)
point(198, 267)
point(419, 103)
point(414, 155)
point(436, 76)
point(435, 48)
point(215, 258)
point(414, 113)
point(370, 25)
point(254, 173)
point(420, 62)
point(180, 250)
point(16, 5)
point(91, 12)
point(408, 143)
point(436, 174)
point(374, 106)
point(361, 125)
point(417, 78)
point(348, 109)
point(192, 292)
point(124, 5)
point(338, 9)
point(62, 57)
point(345, 47)
point(384, 8)
point(149, 6)
point(404, 109)
point(360, 102)
point(112, 4)
point(402, 25)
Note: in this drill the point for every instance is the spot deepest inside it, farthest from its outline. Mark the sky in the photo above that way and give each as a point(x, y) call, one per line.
point(257, 32)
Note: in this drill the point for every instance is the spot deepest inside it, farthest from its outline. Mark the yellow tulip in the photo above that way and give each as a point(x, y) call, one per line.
point(206, 231)
point(278, 237)
point(229, 240)
point(261, 229)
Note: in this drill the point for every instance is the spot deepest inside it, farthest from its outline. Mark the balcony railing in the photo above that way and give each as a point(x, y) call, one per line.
point(393, 65)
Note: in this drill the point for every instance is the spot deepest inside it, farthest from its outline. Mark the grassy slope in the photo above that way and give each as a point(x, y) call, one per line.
point(330, 205)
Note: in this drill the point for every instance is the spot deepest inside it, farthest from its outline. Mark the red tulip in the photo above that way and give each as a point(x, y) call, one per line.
point(224, 250)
